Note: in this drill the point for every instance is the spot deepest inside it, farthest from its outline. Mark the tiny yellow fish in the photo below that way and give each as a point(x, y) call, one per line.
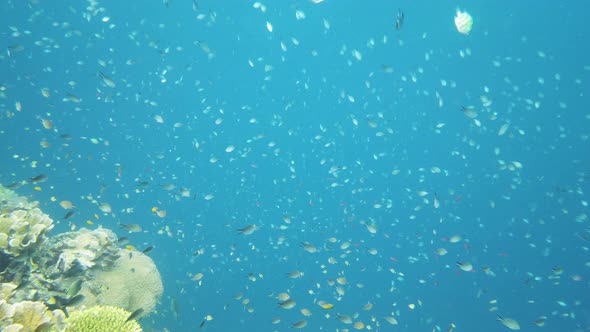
point(325, 305)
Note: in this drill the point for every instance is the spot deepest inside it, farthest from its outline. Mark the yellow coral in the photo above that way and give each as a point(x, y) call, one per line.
point(31, 315)
point(20, 229)
point(6, 311)
point(100, 319)
point(13, 328)
point(6, 291)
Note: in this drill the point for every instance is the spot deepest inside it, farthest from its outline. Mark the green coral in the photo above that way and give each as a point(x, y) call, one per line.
point(100, 319)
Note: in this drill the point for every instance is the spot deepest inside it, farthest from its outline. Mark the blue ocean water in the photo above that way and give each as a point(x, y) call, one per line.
point(334, 128)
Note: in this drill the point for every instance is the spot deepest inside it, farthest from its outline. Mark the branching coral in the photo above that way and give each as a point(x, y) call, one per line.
point(102, 318)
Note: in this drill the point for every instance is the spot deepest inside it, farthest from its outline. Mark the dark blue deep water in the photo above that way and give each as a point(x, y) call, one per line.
point(332, 129)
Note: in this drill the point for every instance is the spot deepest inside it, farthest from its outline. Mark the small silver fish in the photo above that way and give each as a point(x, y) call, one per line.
point(107, 80)
point(248, 229)
point(131, 228)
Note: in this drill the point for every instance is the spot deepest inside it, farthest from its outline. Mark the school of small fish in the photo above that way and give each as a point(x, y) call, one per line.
point(408, 185)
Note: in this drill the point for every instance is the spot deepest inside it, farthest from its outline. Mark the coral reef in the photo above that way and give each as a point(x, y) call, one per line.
point(102, 318)
point(132, 283)
point(6, 290)
point(9, 201)
point(25, 316)
point(73, 253)
point(67, 273)
point(21, 230)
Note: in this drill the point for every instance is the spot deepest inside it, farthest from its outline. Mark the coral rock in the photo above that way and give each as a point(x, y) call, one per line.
point(133, 283)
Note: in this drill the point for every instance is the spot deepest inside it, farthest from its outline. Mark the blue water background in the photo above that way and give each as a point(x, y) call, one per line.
point(522, 224)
